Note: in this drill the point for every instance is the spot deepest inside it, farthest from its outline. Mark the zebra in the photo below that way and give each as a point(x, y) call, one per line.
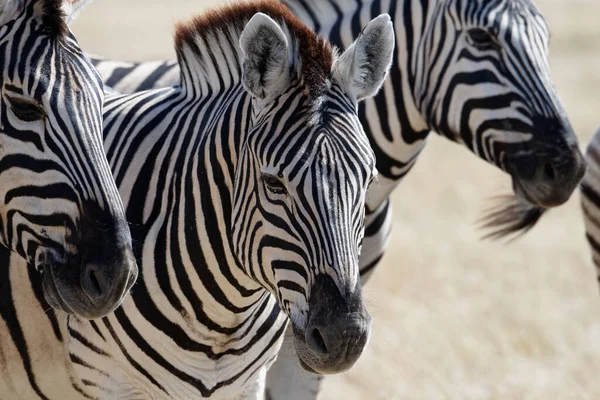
point(60, 211)
point(245, 189)
point(590, 199)
point(474, 71)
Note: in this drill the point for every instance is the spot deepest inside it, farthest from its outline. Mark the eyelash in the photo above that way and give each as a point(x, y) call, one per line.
point(481, 39)
point(25, 110)
point(274, 184)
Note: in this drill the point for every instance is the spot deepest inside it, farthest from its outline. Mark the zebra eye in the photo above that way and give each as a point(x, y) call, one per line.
point(481, 39)
point(274, 184)
point(25, 110)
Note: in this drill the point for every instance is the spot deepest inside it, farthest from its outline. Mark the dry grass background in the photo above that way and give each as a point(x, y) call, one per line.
point(455, 317)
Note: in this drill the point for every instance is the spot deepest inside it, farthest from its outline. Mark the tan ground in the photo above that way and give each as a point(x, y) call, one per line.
point(455, 318)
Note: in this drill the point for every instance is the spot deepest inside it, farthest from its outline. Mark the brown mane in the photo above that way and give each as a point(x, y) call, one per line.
point(53, 16)
point(316, 54)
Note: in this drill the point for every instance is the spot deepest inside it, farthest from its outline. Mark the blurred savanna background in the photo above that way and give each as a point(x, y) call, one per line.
point(455, 317)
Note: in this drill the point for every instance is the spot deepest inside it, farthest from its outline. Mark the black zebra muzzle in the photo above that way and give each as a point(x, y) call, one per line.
point(94, 281)
point(548, 171)
point(87, 290)
point(337, 331)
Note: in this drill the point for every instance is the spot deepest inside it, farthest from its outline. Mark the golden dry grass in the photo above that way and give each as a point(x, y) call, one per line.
point(455, 317)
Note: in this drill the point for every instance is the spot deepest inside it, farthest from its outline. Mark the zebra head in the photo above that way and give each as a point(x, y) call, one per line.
point(302, 179)
point(59, 205)
point(482, 78)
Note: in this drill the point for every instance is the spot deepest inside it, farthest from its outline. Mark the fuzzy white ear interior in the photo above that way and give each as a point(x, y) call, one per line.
point(363, 67)
point(265, 63)
point(10, 9)
point(72, 7)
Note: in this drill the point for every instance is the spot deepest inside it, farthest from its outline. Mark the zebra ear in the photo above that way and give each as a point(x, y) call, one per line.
point(363, 67)
point(72, 7)
point(9, 9)
point(265, 47)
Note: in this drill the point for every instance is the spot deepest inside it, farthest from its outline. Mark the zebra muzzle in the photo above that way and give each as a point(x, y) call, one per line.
point(337, 331)
point(547, 178)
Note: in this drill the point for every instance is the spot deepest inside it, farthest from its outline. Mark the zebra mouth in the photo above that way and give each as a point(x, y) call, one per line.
point(51, 292)
point(304, 353)
point(540, 195)
point(521, 192)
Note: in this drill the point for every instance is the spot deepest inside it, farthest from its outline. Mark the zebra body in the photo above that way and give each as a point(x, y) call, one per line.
point(60, 209)
point(245, 189)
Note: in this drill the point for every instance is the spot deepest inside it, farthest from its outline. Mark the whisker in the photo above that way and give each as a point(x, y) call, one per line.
point(509, 218)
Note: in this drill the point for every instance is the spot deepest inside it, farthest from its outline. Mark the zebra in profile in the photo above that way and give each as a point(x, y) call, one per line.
point(62, 223)
point(245, 187)
point(474, 71)
point(60, 209)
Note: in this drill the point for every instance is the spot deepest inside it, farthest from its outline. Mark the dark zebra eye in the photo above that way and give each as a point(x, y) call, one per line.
point(25, 110)
point(481, 39)
point(274, 184)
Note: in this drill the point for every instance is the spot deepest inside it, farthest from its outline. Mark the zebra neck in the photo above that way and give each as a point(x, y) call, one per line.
point(203, 76)
point(175, 168)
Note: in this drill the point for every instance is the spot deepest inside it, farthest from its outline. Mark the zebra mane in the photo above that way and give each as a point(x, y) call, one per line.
point(314, 55)
point(53, 16)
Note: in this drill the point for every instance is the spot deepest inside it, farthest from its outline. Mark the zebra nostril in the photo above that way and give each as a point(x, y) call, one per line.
point(93, 283)
point(548, 172)
point(316, 341)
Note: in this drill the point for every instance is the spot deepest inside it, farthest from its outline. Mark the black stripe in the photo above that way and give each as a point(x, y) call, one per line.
point(118, 74)
point(156, 74)
point(84, 341)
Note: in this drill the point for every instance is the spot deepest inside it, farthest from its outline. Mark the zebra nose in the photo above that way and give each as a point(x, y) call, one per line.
point(95, 284)
point(343, 340)
point(557, 177)
point(337, 344)
point(547, 174)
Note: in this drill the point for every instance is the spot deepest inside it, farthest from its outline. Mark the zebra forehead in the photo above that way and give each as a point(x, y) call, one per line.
point(315, 54)
point(497, 8)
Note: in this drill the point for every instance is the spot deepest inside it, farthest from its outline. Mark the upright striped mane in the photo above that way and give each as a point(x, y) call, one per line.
point(54, 16)
point(313, 59)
